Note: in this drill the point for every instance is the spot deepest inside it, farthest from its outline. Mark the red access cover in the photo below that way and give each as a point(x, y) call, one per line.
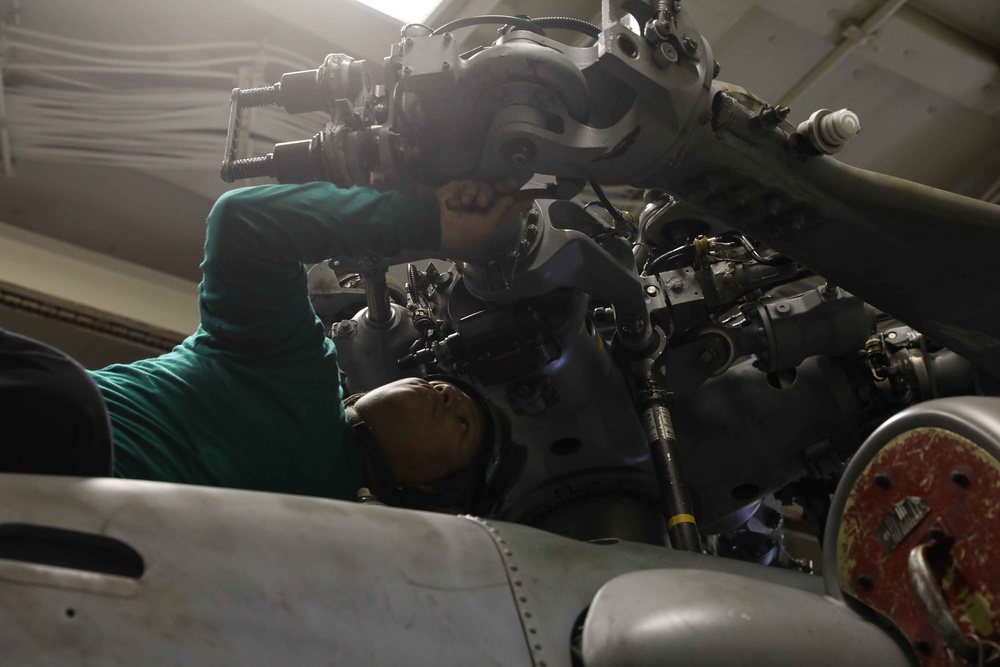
point(925, 485)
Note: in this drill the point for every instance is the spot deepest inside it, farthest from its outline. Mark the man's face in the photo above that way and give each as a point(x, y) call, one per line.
point(423, 430)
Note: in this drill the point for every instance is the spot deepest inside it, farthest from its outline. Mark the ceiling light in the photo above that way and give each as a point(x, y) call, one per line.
point(407, 11)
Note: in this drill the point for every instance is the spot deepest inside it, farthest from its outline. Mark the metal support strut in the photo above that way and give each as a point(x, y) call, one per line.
point(675, 503)
point(376, 291)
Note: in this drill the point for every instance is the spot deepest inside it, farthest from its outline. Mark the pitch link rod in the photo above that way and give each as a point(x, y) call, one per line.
point(675, 502)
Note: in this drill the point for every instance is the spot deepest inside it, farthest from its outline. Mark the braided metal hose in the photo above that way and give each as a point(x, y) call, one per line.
point(568, 23)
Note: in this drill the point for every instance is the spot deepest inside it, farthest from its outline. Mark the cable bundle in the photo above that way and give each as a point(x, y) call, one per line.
point(138, 106)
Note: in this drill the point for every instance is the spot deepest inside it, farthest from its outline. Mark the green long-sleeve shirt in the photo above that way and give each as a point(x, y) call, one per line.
point(252, 400)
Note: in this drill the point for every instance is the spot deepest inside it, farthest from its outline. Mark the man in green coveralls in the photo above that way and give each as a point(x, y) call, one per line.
point(252, 400)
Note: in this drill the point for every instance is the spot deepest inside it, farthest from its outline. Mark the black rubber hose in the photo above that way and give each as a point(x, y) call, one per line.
point(568, 23)
point(685, 251)
point(606, 203)
point(515, 21)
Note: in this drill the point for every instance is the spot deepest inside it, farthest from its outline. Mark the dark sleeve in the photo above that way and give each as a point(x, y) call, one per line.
point(253, 296)
point(52, 412)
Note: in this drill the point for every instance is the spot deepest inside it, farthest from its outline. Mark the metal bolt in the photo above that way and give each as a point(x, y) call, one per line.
point(651, 290)
point(690, 44)
point(445, 66)
point(666, 54)
point(891, 335)
point(716, 68)
point(447, 37)
point(408, 42)
point(601, 314)
point(407, 70)
point(343, 328)
point(772, 116)
point(518, 151)
point(783, 308)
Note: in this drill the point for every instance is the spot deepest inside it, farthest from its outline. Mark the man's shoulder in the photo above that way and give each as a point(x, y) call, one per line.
point(197, 367)
point(180, 359)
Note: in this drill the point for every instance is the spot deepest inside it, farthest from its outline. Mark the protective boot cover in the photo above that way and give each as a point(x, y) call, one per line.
point(694, 617)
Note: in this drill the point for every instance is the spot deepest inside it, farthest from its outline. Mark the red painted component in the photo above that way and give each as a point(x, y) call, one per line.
point(960, 484)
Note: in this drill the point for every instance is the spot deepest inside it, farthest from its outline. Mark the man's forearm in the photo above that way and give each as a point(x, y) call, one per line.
point(253, 295)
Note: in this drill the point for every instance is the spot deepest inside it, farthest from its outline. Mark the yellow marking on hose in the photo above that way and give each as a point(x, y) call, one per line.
point(680, 518)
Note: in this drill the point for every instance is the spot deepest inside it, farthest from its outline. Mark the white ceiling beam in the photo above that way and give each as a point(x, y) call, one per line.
point(936, 57)
point(67, 274)
point(853, 37)
point(911, 44)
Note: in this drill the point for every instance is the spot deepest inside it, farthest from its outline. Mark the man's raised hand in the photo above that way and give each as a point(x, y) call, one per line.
point(477, 217)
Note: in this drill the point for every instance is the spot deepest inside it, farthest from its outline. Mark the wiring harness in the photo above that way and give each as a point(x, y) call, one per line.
point(131, 105)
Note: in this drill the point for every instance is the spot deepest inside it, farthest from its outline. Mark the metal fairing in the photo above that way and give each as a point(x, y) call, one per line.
point(240, 578)
point(234, 577)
